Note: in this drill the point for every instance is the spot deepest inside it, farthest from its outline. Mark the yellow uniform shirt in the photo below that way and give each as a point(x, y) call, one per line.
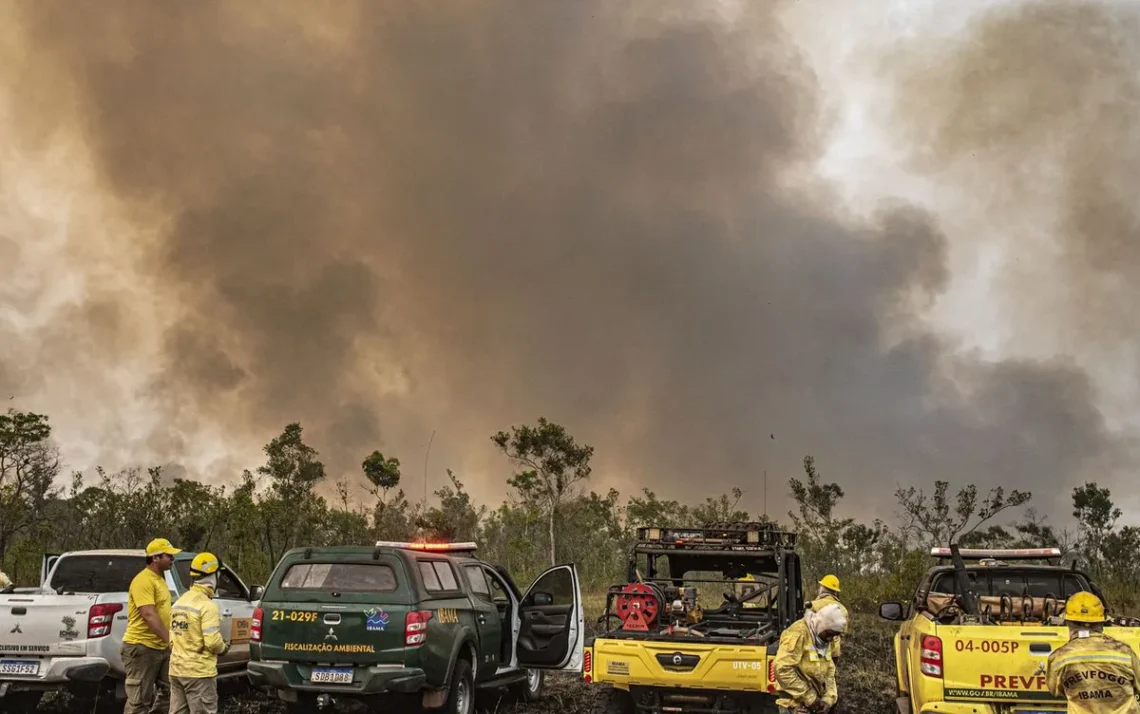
point(1096, 674)
point(195, 634)
point(822, 602)
point(803, 673)
point(147, 588)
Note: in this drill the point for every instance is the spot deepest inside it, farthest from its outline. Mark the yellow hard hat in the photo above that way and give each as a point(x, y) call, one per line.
point(830, 582)
point(161, 546)
point(204, 564)
point(1084, 607)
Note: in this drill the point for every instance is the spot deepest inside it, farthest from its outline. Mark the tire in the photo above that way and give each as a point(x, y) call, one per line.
point(532, 688)
point(461, 692)
point(618, 701)
point(20, 702)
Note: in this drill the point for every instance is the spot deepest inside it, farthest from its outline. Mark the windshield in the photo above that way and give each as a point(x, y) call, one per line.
point(1014, 583)
point(96, 573)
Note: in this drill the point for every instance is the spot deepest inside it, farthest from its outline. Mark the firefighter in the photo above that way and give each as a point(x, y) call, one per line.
point(805, 672)
point(1094, 672)
point(829, 595)
point(195, 629)
point(146, 644)
point(5, 582)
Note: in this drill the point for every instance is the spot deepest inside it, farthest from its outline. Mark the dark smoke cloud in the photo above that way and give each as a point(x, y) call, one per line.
point(1038, 105)
point(382, 219)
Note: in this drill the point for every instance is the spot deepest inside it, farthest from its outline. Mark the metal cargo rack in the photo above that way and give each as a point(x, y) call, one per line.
point(716, 537)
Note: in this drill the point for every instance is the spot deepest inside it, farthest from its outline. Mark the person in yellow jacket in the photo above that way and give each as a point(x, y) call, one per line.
point(197, 642)
point(829, 595)
point(5, 581)
point(1095, 673)
point(805, 672)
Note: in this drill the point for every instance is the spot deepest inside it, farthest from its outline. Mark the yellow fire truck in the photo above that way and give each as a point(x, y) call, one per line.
point(975, 639)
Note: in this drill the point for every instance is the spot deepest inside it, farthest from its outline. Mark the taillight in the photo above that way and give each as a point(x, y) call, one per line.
point(771, 676)
point(99, 619)
point(587, 665)
point(931, 658)
point(415, 627)
point(255, 625)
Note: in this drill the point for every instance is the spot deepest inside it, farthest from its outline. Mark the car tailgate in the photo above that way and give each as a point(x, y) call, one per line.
point(682, 664)
point(47, 625)
point(338, 612)
point(998, 662)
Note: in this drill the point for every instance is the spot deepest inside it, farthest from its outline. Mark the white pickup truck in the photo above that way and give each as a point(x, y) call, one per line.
point(67, 634)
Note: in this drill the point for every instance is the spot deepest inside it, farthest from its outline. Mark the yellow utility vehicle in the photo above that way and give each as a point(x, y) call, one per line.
point(670, 648)
point(976, 638)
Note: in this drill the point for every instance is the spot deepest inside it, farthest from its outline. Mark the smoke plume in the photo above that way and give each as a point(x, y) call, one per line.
point(384, 219)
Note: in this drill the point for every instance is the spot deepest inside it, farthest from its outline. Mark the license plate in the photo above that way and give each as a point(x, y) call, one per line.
point(20, 666)
point(331, 676)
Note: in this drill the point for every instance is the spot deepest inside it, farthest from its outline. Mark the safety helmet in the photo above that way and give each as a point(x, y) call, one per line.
point(161, 546)
point(204, 564)
point(830, 582)
point(1084, 607)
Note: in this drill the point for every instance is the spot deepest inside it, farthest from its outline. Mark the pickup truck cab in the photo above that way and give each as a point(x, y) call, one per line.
point(67, 634)
point(424, 622)
point(976, 639)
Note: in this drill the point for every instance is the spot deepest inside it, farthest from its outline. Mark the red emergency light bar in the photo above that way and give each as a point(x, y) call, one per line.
point(437, 547)
point(1007, 553)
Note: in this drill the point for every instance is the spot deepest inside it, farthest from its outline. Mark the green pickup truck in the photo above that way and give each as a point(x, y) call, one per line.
point(427, 623)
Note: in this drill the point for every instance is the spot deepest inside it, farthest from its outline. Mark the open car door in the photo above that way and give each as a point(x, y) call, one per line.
point(552, 628)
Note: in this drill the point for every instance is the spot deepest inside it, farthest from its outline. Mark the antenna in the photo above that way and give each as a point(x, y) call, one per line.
point(765, 492)
point(426, 455)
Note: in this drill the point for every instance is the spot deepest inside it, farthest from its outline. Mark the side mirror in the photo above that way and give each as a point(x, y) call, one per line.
point(892, 611)
point(256, 592)
point(543, 599)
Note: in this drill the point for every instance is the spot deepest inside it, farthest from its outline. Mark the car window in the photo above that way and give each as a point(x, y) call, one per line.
point(478, 580)
point(446, 575)
point(229, 587)
point(559, 584)
point(1073, 585)
point(1007, 584)
point(340, 577)
point(498, 591)
point(947, 584)
point(96, 573)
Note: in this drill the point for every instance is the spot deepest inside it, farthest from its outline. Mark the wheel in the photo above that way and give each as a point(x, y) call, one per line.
point(21, 702)
point(618, 701)
point(531, 688)
point(461, 693)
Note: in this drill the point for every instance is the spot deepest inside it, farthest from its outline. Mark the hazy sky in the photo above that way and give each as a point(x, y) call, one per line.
point(899, 236)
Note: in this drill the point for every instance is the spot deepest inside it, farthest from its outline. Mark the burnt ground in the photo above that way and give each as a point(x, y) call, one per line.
point(866, 685)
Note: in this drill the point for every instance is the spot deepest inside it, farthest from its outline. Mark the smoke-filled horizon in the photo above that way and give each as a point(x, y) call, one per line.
point(385, 220)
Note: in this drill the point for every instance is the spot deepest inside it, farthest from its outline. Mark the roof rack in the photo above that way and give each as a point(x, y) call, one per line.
point(727, 537)
point(465, 547)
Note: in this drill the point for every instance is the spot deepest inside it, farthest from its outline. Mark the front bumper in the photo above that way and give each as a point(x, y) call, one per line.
point(377, 679)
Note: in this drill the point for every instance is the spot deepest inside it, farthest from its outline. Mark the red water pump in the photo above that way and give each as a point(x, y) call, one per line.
point(637, 605)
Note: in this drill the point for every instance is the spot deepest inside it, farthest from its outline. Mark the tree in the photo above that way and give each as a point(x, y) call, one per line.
point(1096, 516)
point(554, 463)
point(383, 473)
point(816, 520)
point(455, 518)
point(935, 521)
point(290, 506)
point(29, 465)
